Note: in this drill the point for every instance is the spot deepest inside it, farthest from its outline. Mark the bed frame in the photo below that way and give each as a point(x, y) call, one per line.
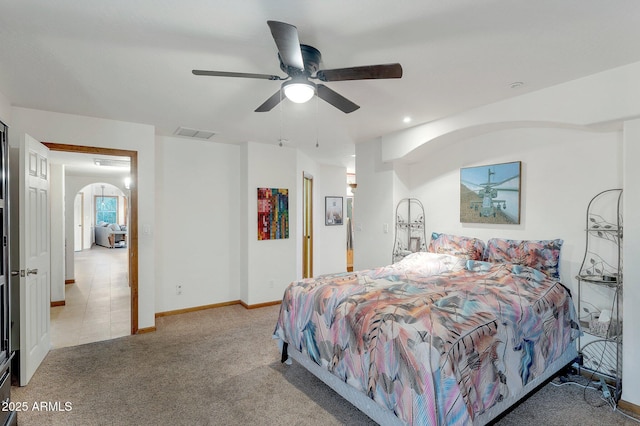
point(386, 417)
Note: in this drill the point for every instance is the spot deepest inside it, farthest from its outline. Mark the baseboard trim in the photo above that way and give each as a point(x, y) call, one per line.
point(70, 281)
point(196, 308)
point(216, 305)
point(146, 330)
point(260, 305)
point(58, 303)
point(628, 406)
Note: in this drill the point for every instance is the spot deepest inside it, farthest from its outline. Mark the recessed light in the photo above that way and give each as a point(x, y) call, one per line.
point(406, 120)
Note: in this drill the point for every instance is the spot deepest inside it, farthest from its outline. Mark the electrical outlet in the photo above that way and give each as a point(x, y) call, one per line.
point(178, 289)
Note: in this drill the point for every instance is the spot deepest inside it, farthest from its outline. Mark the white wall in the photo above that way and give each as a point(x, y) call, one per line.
point(198, 242)
point(631, 254)
point(57, 270)
point(373, 208)
point(329, 242)
point(88, 131)
point(270, 264)
point(5, 109)
point(244, 230)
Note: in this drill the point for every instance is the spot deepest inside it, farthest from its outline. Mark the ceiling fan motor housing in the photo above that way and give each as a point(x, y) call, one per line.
point(311, 58)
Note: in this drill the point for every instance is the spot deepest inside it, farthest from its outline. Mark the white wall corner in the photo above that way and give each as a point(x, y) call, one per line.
point(631, 252)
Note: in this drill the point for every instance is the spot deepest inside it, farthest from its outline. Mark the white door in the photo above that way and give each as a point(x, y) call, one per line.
point(78, 222)
point(34, 220)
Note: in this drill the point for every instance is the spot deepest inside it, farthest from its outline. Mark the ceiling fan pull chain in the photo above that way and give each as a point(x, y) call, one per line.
point(317, 119)
point(281, 119)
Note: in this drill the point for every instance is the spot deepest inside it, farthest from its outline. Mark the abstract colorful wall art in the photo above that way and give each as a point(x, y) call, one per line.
point(273, 213)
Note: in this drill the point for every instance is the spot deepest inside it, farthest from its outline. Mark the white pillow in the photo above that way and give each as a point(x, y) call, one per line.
point(114, 227)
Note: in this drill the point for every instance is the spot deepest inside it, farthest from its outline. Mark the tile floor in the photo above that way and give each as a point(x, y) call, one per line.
point(98, 305)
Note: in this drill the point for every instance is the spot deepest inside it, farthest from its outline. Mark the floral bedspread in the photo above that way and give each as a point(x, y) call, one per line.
point(434, 338)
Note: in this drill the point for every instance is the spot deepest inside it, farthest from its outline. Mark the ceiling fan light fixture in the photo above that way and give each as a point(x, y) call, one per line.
point(299, 91)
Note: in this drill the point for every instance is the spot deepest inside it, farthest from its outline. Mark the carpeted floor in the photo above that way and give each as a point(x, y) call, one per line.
point(221, 367)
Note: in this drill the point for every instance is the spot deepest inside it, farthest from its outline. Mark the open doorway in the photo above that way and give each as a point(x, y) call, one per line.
point(132, 214)
point(97, 301)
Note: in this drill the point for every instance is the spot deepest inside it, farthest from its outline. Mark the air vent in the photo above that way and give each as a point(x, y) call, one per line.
point(193, 133)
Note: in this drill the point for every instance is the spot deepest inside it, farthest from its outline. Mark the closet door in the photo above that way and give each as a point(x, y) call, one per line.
point(34, 254)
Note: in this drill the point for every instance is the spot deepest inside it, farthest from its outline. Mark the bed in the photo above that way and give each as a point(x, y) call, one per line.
point(452, 336)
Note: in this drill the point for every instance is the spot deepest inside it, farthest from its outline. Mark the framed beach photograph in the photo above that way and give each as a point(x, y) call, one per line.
point(333, 211)
point(490, 194)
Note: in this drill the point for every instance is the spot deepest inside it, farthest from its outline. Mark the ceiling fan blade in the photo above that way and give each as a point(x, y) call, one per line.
point(286, 38)
point(270, 103)
point(236, 74)
point(366, 72)
point(335, 99)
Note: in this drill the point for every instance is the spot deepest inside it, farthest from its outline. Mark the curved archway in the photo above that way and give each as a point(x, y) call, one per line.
point(85, 206)
point(99, 297)
point(424, 141)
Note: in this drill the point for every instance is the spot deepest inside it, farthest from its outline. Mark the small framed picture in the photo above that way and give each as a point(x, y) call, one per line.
point(333, 211)
point(414, 244)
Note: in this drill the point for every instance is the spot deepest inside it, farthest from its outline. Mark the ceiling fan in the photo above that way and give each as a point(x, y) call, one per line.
point(301, 63)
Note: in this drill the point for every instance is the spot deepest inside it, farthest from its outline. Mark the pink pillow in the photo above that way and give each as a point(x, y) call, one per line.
point(464, 247)
point(543, 255)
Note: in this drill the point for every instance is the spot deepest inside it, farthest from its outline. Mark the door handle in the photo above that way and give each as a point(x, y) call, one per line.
point(22, 274)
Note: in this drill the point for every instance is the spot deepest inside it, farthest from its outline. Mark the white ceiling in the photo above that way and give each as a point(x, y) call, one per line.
point(132, 60)
point(85, 164)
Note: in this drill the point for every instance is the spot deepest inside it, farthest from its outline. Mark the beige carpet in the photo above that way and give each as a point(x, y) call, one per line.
point(221, 367)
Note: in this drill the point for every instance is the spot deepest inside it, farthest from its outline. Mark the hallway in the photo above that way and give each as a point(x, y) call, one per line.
point(98, 304)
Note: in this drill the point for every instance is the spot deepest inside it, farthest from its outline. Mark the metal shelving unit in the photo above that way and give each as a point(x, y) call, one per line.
point(600, 277)
point(411, 235)
point(7, 415)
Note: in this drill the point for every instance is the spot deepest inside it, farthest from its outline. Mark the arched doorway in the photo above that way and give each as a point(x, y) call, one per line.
point(97, 302)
